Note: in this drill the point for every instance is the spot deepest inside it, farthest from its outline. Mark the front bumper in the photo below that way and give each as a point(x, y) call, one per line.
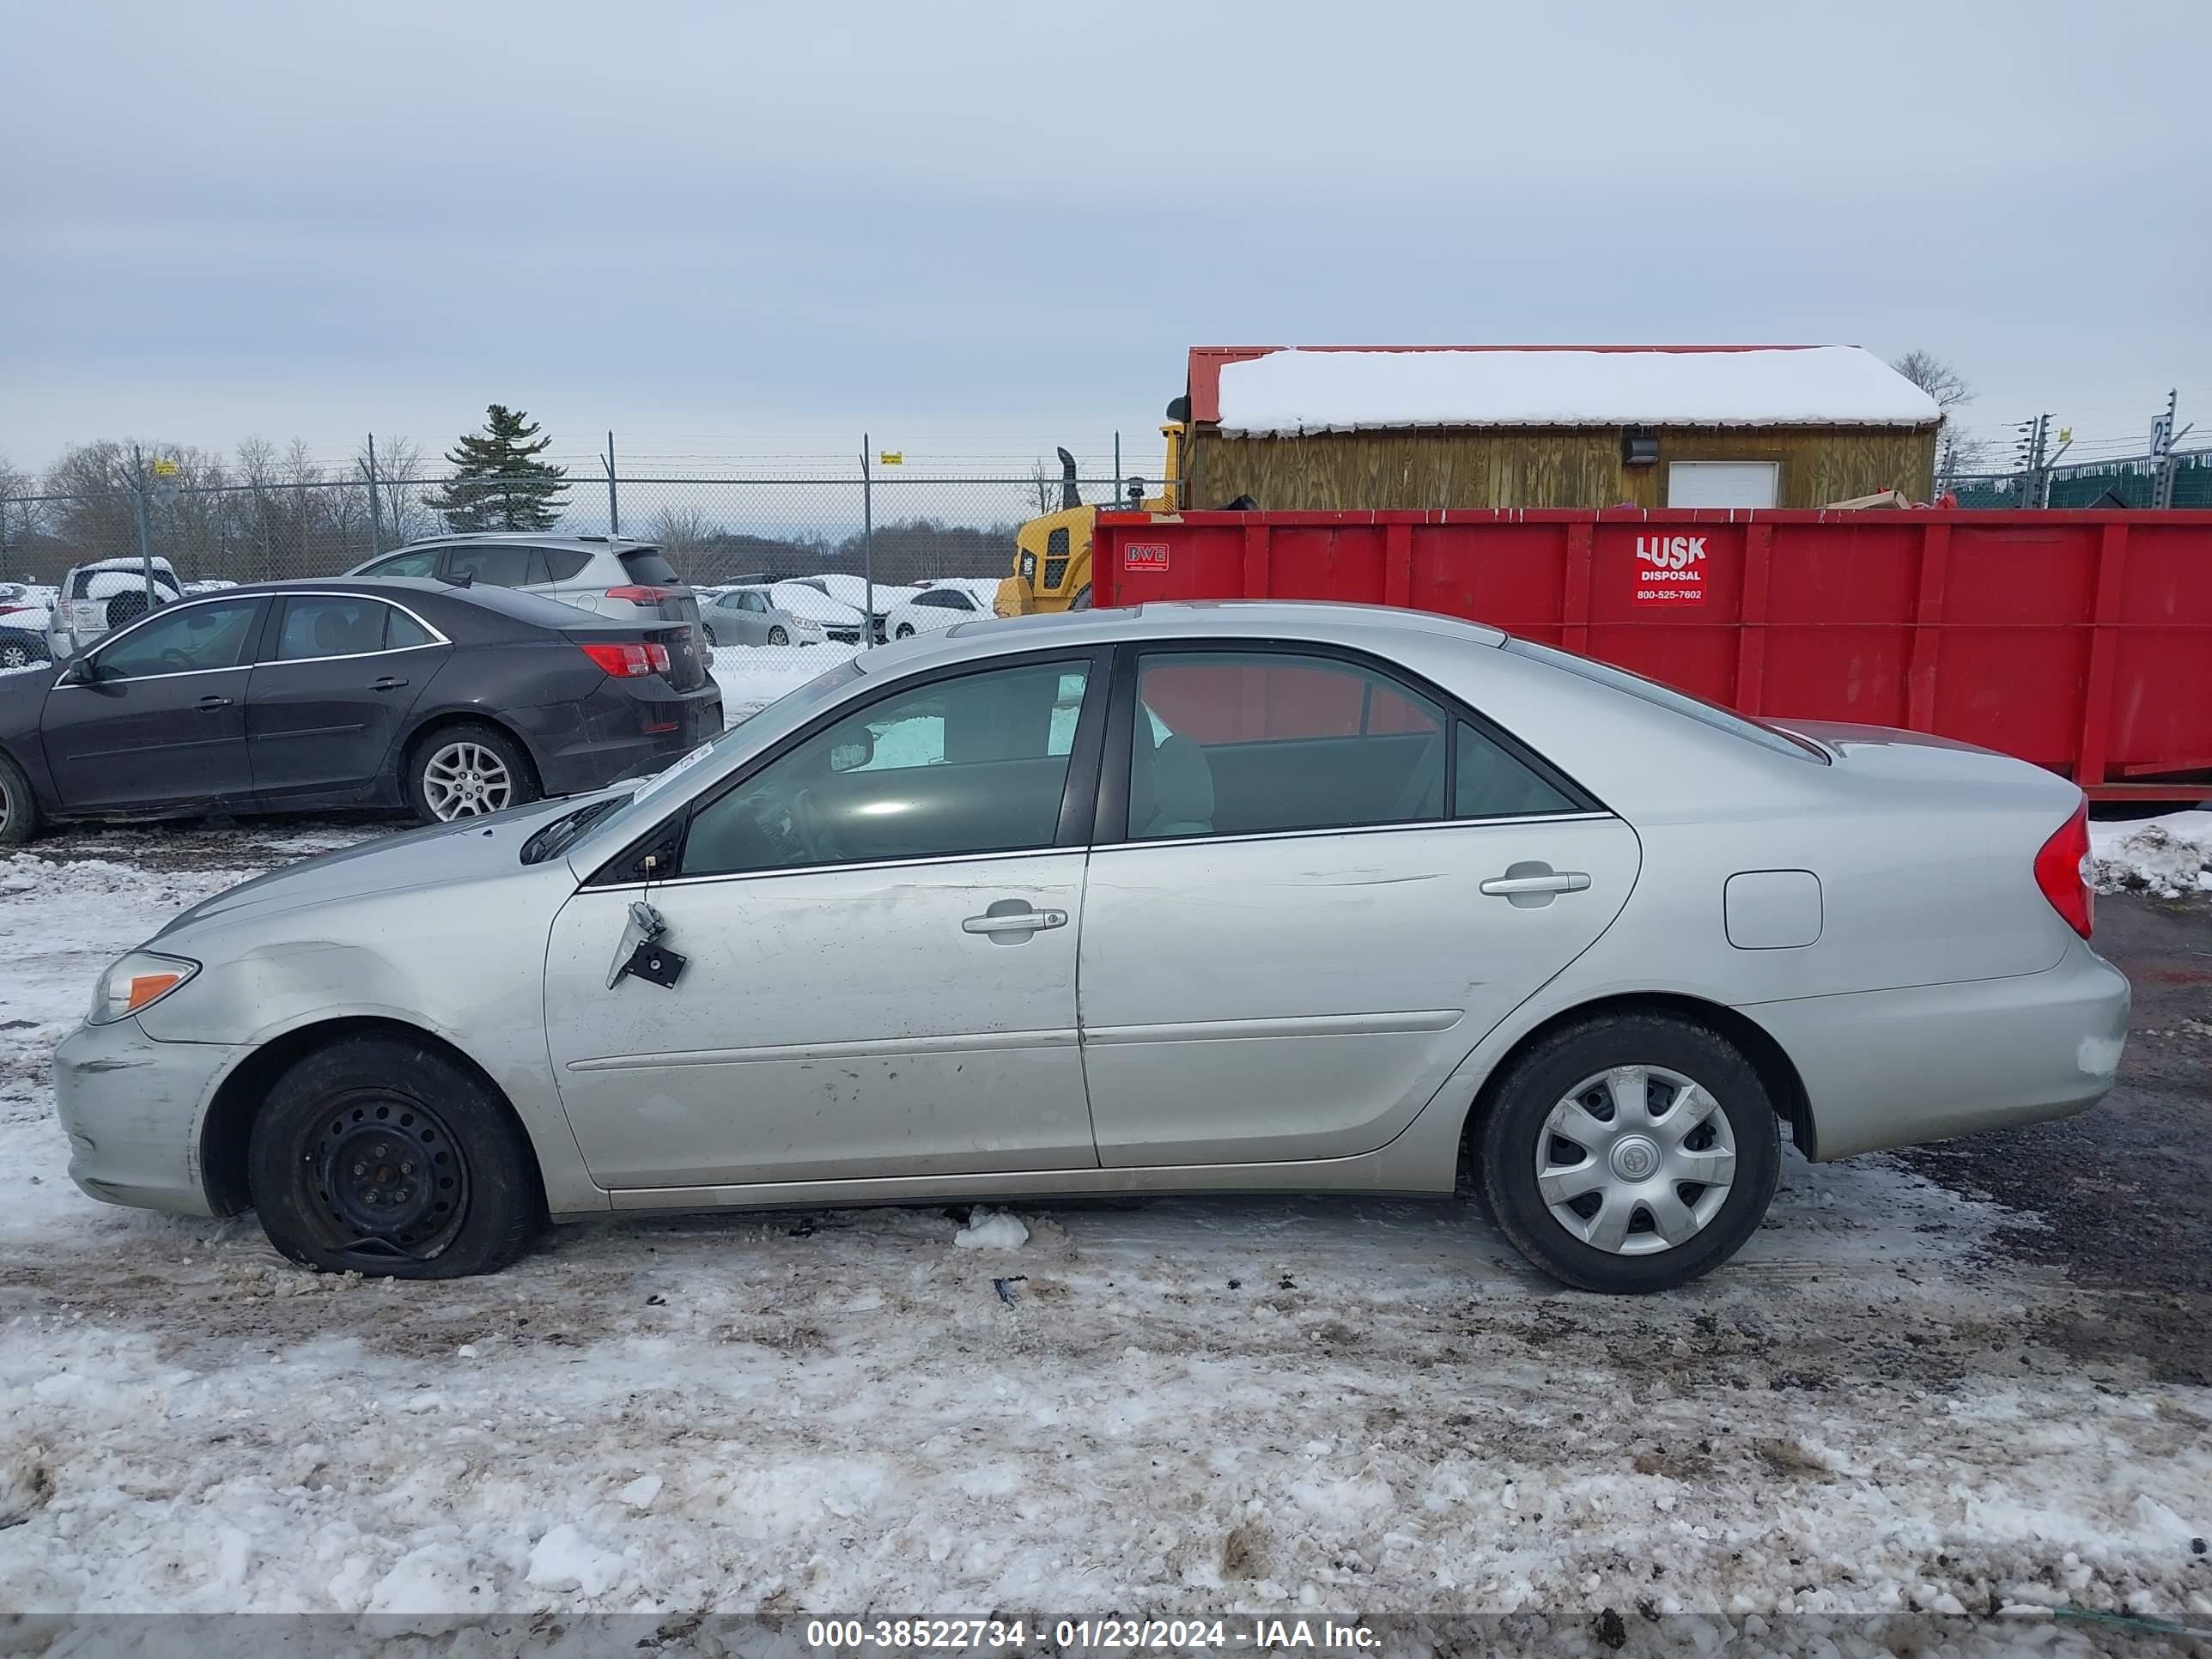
point(1896, 1068)
point(132, 1110)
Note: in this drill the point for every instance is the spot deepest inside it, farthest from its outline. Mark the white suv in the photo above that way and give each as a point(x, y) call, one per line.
point(103, 595)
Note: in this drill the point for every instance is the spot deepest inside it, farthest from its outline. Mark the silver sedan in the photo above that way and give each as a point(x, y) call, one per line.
point(1188, 898)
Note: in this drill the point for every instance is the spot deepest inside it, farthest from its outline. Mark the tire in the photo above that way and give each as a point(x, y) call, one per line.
point(17, 650)
point(1569, 1071)
point(711, 640)
point(906, 630)
point(125, 608)
point(19, 807)
point(345, 1132)
point(778, 636)
point(465, 771)
point(1082, 599)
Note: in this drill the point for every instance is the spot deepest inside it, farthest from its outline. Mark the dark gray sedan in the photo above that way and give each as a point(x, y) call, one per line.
point(311, 695)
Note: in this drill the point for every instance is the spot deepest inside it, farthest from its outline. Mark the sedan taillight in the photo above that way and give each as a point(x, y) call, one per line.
point(629, 662)
point(644, 595)
point(2063, 871)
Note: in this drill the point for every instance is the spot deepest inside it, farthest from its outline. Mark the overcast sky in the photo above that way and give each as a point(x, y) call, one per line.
point(976, 229)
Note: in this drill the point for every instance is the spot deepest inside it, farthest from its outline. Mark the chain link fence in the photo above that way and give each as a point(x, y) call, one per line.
point(812, 542)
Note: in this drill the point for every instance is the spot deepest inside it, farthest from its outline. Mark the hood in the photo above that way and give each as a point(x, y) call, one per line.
point(420, 860)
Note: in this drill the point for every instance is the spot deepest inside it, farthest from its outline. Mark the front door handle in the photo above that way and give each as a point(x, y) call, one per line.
point(1009, 921)
point(387, 683)
point(211, 704)
point(1560, 881)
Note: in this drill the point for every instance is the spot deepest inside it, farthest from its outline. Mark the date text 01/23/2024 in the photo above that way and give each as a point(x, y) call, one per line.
point(1147, 1635)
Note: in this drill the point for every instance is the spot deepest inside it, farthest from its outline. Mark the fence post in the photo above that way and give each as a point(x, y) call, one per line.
point(376, 513)
point(614, 503)
point(145, 524)
point(867, 544)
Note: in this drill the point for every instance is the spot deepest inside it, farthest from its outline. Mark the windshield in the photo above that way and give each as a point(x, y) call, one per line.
point(789, 710)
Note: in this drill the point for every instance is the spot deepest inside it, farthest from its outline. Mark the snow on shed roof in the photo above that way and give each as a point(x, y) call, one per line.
point(1337, 389)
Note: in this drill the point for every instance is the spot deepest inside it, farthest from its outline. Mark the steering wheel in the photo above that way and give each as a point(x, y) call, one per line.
point(780, 825)
point(182, 660)
point(814, 826)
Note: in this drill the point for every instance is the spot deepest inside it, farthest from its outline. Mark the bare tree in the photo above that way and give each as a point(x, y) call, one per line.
point(19, 520)
point(400, 482)
point(682, 534)
point(1957, 452)
point(1044, 486)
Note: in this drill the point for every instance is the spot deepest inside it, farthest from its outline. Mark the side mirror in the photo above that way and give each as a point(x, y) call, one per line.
point(77, 670)
point(853, 753)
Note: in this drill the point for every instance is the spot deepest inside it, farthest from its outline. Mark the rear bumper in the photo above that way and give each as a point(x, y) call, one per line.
point(132, 1108)
point(627, 729)
point(1895, 1068)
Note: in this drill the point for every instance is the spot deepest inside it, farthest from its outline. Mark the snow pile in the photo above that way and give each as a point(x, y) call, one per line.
point(1322, 390)
point(2167, 856)
point(754, 676)
point(991, 1230)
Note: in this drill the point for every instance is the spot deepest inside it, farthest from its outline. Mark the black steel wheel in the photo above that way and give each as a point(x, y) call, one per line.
point(381, 1155)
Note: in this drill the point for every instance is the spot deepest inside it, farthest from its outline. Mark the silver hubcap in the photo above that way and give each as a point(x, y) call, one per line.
point(462, 779)
point(1636, 1160)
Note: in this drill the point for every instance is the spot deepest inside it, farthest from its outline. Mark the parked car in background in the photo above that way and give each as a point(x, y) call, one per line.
point(624, 581)
point(939, 604)
point(26, 612)
point(839, 622)
point(1358, 900)
point(454, 701)
point(105, 594)
point(751, 616)
point(851, 590)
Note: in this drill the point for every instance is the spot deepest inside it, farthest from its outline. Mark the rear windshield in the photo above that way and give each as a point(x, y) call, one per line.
point(1680, 702)
point(644, 564)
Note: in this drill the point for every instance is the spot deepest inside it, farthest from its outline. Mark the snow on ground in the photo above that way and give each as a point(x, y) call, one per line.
point(2168, 856)
point(1256, 1404)
point(753, 676)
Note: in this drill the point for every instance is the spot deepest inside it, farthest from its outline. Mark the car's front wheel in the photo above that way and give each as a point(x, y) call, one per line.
point(465, 771)
point(18, 652)
point(19, 807)
point(777, 636)
point(1630, 1153)
point(906, 630)
point(711, 640)
point(381, 1155)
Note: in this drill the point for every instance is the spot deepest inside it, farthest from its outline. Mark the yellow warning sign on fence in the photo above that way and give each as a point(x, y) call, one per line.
point(891, 457)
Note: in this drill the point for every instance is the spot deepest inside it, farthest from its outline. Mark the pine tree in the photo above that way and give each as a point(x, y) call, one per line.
point(498, 481)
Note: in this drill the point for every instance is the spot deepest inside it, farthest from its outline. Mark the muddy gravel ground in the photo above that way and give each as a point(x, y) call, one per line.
point(1967, 1385)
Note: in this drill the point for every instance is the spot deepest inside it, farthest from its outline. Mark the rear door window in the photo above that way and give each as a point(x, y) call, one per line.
point(494, 567)
point(330, 625)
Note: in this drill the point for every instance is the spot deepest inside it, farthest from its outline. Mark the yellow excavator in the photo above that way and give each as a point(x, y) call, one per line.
point(1052, 553)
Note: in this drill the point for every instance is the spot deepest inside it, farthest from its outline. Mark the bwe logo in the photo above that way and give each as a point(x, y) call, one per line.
point(1671, 552)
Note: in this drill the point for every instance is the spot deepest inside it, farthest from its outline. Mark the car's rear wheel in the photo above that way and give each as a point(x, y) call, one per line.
point(379, 1156)
point(778, 636)
point(464, 771)
point(1082, 599)
point(906, 630)
point(19, 807)
point(18, 652)
point(711, 640)
point(1630, 1153)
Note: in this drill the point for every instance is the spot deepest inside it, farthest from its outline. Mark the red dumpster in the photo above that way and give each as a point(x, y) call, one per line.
point(2080, 640)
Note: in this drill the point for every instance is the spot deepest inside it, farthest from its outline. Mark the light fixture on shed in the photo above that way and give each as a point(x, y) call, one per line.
point(1639, 447)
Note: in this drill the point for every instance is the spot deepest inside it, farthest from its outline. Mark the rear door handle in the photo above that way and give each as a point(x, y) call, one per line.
point(1010, 916)
point(387, 683)
point(1562, 881)
point(213, 703)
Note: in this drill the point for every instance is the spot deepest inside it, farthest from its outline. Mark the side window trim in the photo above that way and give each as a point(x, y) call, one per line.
point(1085, 752)
point(1111, 828)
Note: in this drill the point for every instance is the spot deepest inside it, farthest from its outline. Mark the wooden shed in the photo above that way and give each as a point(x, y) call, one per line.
point(1319, 428)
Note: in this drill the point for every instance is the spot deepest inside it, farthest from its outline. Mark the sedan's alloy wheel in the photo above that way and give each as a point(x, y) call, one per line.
point(465, 779)
point(1635, 1160)
point(15, 654)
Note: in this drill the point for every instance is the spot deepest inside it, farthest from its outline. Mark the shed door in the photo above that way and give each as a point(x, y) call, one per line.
point(1723, 483)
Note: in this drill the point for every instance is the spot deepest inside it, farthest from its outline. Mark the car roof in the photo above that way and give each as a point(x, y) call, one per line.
point(1295, 619)
point(619, 544)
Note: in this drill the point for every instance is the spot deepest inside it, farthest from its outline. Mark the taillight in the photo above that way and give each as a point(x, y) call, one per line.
point(643, 595)
point(629, 662)
point(2063, 871)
